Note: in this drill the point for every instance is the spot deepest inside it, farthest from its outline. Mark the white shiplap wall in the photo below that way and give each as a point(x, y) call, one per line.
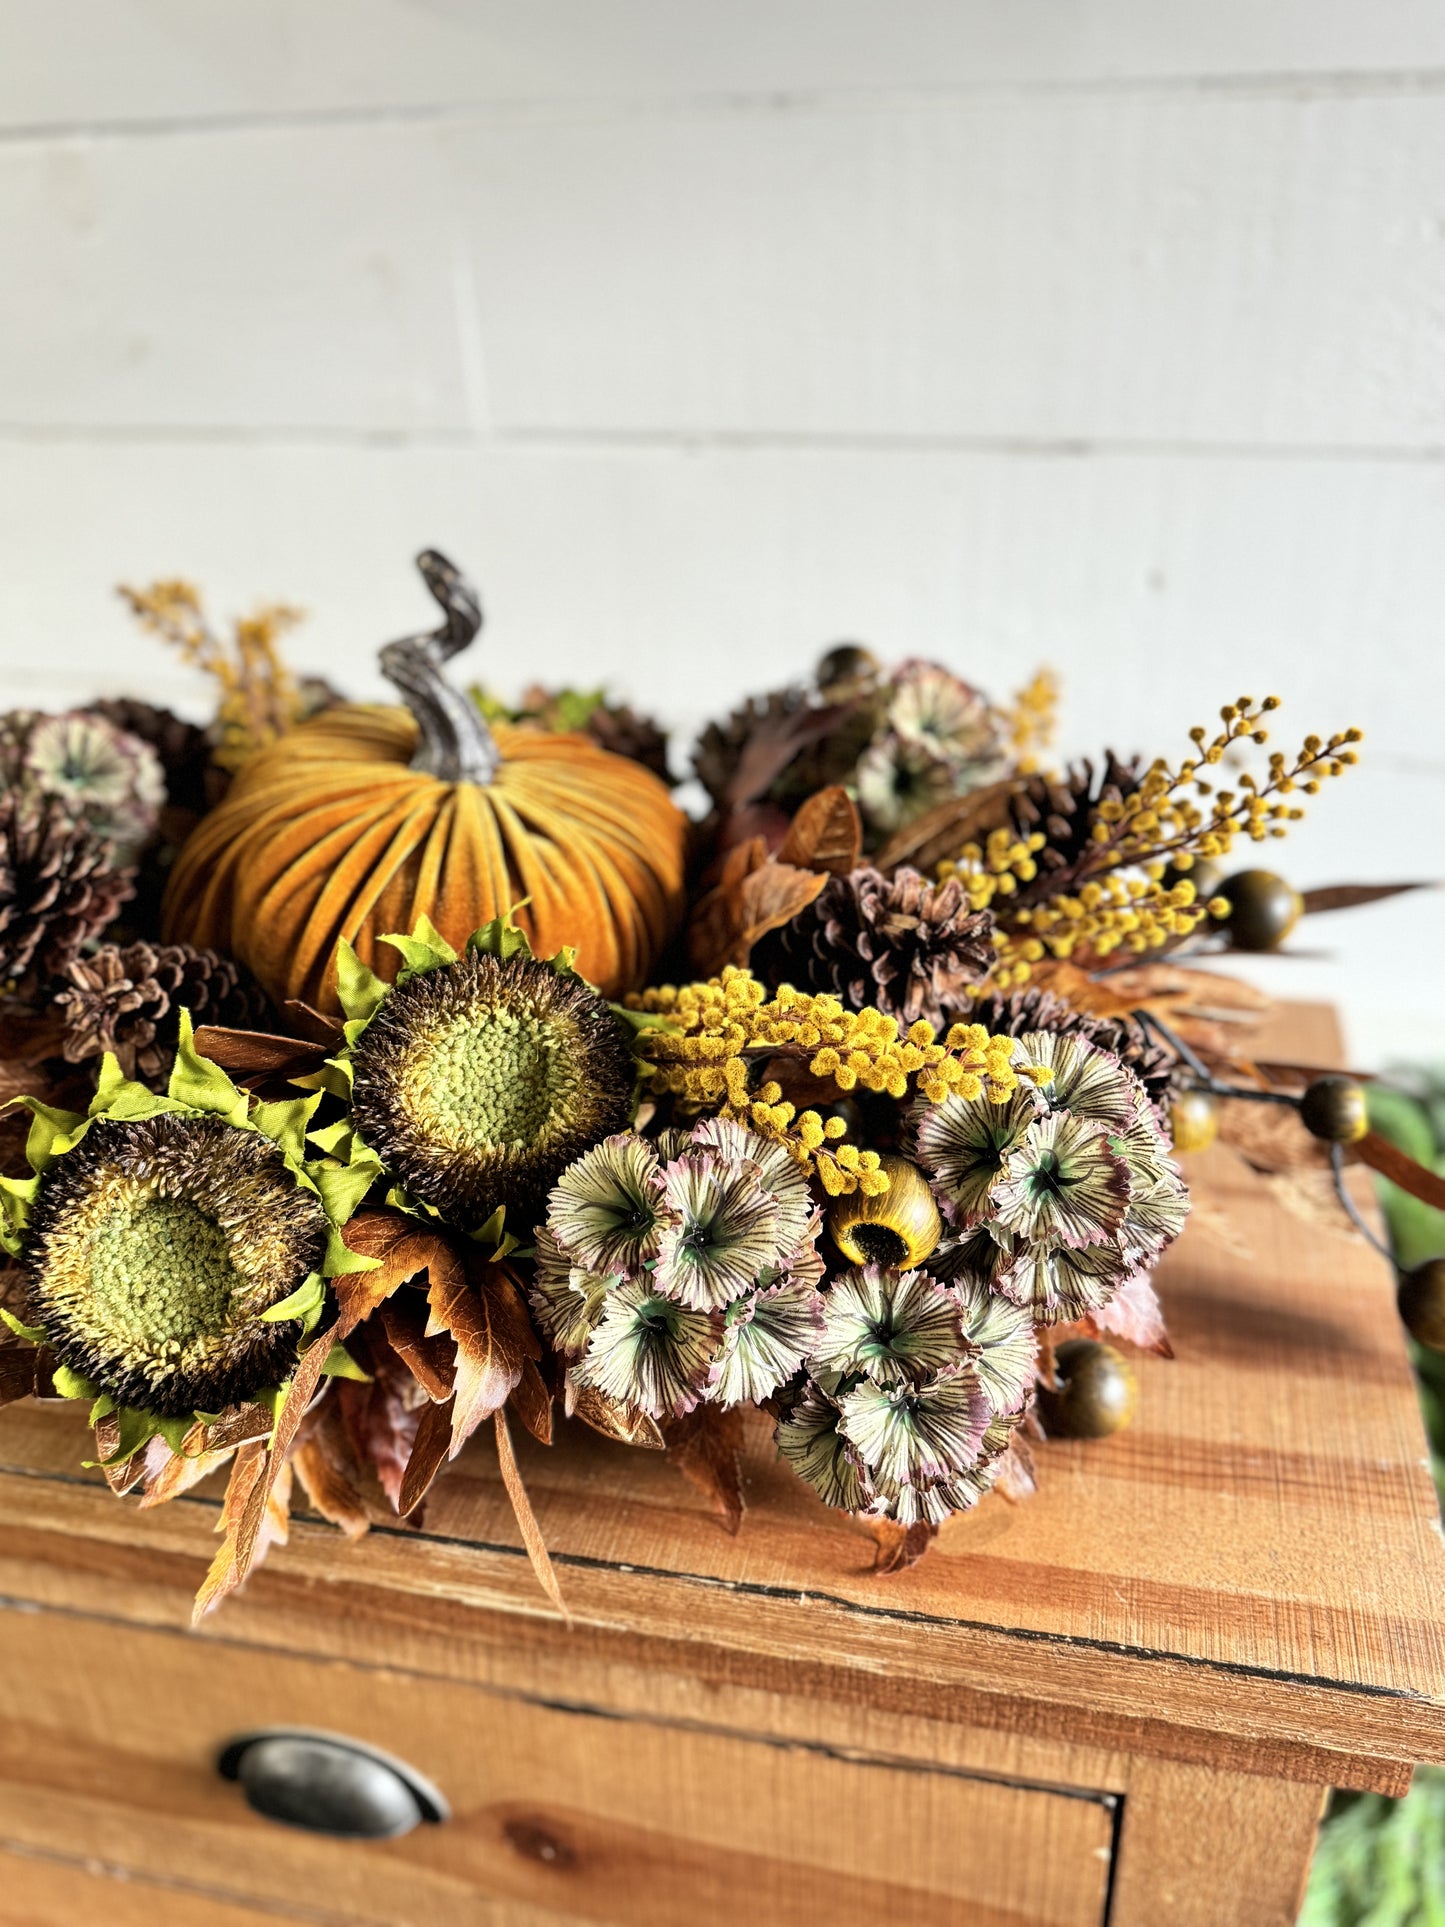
point(1098, 332)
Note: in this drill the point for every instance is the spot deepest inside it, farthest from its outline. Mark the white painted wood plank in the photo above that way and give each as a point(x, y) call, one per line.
point(69, 61)
point(1158, 588)
point(252, 281)
point(1213, 272)
point(1210, 270)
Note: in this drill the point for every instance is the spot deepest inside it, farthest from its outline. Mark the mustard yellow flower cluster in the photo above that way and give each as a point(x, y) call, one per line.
point(994, 869)
point(702, 1056)
point(1031, 719)
point(1161, 820)
point(1111, 913)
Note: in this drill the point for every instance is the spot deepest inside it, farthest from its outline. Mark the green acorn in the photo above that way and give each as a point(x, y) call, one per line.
point(1263, 909)
point(175, 1247)
point(1334, 1108)
point(476, 1080)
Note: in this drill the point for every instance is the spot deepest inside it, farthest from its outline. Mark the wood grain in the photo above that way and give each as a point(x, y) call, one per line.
point(628, 1821)
point(1200, 1847)
point(57, 1890)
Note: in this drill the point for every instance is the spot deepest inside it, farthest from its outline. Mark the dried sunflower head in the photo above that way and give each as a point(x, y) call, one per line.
point(475, 1081)
point(99, 773)
point(176, 1247)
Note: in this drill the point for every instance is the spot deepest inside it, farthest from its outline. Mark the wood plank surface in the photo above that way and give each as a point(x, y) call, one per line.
point(109, 1736)
point(1201, 1848)
point(1249, 1577)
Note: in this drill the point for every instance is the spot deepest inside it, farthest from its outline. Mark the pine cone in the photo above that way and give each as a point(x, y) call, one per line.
point(183, 749)
point(1013, 1014)
point(911, 947)
point(58, 888)
point(1061, 808)
point(626, 733)
point(129, 1001)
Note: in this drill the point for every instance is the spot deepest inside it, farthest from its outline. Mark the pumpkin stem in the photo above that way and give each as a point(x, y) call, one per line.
point(456, 745)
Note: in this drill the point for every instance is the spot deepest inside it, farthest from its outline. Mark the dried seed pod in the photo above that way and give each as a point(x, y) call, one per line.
point(898, 1229)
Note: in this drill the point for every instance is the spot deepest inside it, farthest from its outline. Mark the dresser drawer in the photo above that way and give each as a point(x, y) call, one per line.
point(109, 1736)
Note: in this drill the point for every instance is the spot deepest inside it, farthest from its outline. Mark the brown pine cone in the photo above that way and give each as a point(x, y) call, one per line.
point(626, 733)
point(58, 889)
point(129, 1001)
point(1061, 808)
point(1013, 1014)
point(911, 947)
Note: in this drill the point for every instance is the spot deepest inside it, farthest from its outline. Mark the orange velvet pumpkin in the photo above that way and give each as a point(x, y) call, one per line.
point(361, 820)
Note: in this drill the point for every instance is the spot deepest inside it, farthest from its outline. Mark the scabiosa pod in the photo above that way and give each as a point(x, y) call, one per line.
point(176, 1247)
point(475, 1080)
point(1066, 1197)
point(683, 1270)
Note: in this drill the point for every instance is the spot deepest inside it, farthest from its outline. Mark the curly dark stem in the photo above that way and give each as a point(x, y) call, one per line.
point(455, 744)
point(1352, 1210)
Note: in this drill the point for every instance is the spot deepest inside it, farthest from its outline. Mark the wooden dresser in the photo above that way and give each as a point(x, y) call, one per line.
point(1119, 1703)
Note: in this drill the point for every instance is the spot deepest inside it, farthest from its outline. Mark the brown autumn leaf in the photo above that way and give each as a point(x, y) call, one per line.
point(314, 1025)
point(1394, 1164)
point(262, 1516)
point(1349, 896)
point(706, 1446)
point(129, 1472)
point(612, 1418)
point(247, 1474)
point(381, 1417)
point(826, 834)
point(1016, 1479)
point(327, 1468)
point(1269, 1137)
point(940, 833)
point(428, 1455)
point(531, 1532)
point(532, 1402)
point(754, 894)
point(255, 1056)
point(431, 1361)
point(896, 1547)
point(480, 1303)
point(776, 738)
point(178, 1472)
point(1135, 1315)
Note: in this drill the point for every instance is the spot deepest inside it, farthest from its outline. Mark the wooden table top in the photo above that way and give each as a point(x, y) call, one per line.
point(1251, 1575)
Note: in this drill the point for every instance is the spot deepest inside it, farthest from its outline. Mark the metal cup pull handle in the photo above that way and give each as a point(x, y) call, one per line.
point(327, 1783)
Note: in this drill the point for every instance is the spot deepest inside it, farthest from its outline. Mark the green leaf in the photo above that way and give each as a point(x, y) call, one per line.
point(135, 1429)
point(285, 1123)
point(175, 1432)
point(306, 1299)
point(334, 1076)
point(51, 1132)
point(501, 938)
point(334, 1139)
point(425, 949)
point(340, 1364)
point(199, 1083)
point(32, 1332)
point(343, 1186)
point(341, 1260)
point(72, 1384)
point(640, 1020)
point(358, 988)
point(494, 1232)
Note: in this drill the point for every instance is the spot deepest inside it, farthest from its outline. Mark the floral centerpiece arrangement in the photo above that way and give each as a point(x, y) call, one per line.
point(375, 1074)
